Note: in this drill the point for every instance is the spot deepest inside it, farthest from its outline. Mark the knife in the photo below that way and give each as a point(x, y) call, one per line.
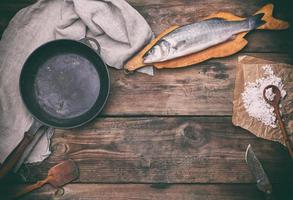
point(262, 181)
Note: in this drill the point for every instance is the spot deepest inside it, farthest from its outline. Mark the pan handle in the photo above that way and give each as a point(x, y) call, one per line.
point(87, 41)
point(16, 154)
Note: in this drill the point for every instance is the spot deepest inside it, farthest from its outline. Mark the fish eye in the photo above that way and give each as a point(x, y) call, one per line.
point(148, 53)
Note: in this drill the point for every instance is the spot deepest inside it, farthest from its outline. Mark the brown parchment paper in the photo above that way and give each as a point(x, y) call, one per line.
point(248, 70)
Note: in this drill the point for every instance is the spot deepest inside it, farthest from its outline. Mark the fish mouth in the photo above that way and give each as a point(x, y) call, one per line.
point(147, 60)
point(147, 57)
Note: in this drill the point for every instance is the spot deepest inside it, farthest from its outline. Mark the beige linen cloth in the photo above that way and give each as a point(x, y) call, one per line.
point(119, 28)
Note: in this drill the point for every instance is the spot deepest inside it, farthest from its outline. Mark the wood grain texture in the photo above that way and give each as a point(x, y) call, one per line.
point(162, 14)
point(203, 89)
point(163, 149)
point(206, 150)
point(157, 191)
point(148, 192)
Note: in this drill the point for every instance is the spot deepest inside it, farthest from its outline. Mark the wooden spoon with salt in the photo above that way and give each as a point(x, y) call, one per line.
point(275, 102)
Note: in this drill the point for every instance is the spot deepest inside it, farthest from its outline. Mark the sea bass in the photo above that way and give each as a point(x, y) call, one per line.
point(198, 36)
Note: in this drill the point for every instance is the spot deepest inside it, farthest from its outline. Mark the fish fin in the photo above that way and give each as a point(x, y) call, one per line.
point(180, 44)
point(255, 21)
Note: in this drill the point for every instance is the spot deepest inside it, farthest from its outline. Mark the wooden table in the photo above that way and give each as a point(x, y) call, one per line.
point(170, 136)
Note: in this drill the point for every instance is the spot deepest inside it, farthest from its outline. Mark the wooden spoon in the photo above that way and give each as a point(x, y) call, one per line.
point(58, 176)
point(275, 103)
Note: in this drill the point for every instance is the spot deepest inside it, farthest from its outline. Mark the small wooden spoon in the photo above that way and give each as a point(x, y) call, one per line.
point(275, 103)
point(58, 176)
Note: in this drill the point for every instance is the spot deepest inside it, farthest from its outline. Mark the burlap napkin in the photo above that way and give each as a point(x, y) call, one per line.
point(118, 27)
point(248, 70)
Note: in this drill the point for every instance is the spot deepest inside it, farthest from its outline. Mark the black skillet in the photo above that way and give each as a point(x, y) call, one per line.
point(63, 84)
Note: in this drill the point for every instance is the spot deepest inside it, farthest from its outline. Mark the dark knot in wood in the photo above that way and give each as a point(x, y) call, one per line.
point(60, 148)
point(192, 137)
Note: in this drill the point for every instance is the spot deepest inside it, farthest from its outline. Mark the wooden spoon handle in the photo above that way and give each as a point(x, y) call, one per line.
point(30, 188)
point(284, 132)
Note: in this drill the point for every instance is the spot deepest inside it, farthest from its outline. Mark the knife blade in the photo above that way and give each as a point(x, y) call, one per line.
point(257, 170)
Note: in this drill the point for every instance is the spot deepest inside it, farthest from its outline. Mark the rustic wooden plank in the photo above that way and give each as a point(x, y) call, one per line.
point(159, 191)
point(168, 150)
point(269, 41)
point(192, 9)
point(145, 192)
point(162, 14)
point(203, 89)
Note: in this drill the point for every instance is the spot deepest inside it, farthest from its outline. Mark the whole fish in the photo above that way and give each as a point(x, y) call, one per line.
point(198, 36)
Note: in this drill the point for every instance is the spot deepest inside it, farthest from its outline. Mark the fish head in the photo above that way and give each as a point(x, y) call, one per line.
point(157, 53)
point(153, 55)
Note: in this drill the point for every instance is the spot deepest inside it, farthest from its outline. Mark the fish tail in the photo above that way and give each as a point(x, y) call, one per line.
point(255, 21)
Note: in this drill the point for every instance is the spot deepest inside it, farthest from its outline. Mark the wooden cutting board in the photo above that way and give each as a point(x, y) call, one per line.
point(221, 50)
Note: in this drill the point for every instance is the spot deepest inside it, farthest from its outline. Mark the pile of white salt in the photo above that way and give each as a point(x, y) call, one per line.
point(253, 99)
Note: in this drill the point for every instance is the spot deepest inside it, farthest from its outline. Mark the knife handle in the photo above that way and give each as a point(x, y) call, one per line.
point(12, 159)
